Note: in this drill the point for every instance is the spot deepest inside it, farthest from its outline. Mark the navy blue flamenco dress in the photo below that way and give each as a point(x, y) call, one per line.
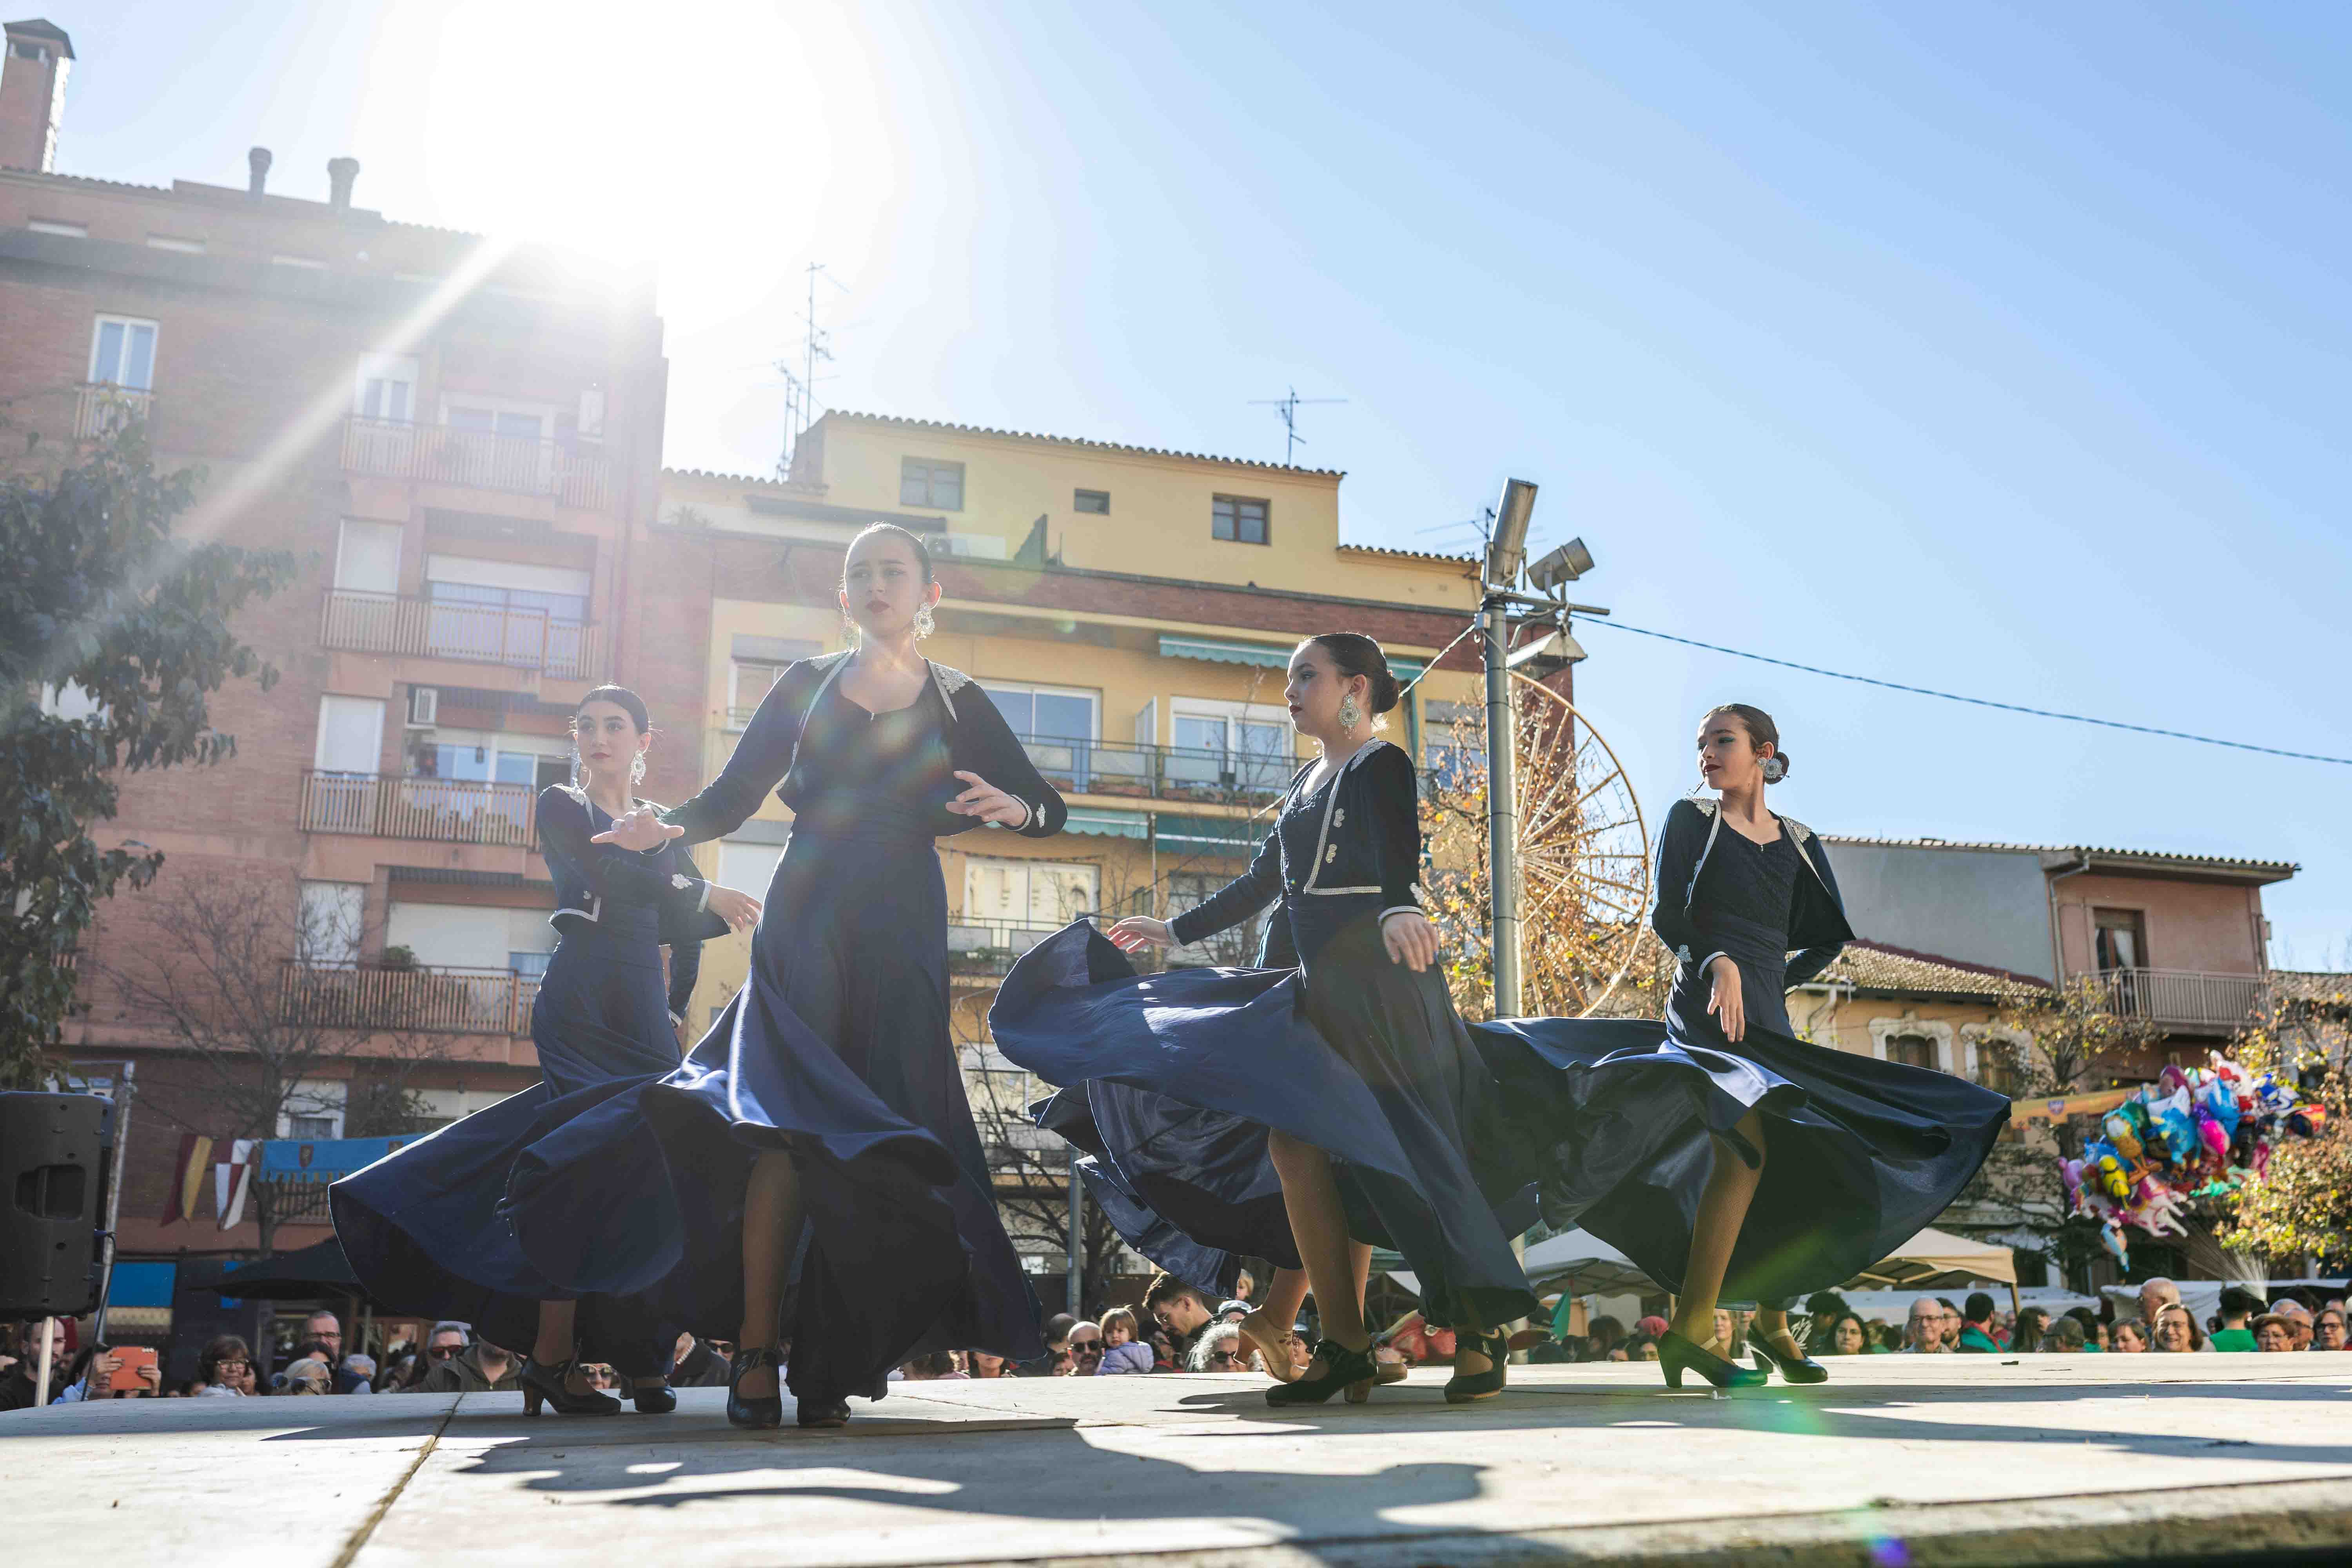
point(836, 1050)
point(1169, 1083)
point(422, 1226)
point(1860, 1154)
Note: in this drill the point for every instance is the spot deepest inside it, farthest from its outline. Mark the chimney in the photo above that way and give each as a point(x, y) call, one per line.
point(32, 94)
point(340, 173)
point(257, 159)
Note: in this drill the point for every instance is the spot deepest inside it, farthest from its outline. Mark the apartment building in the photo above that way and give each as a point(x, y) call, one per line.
point(1131, 611)
point(452, 434)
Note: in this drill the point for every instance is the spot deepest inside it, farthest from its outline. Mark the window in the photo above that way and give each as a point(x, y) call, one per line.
point(1038, 894)
point(747, 680)
point(2122, 939)
point(313, 1111)
point(1911, 1050)
point(385, 387)
point(1241, 521)
point(1222, 748)
point(1095, 501)
point(1997, 1063)
point(367, 557)
point(749, 868)
point(1044, 713)
point(123, 353)
point(1236, 948)
point(350, 735)
point(505, 612)
point(507, 424)
point(938, 486)
point(492, 757)
point(331, 917)
point(62, 231)
point(71, 703)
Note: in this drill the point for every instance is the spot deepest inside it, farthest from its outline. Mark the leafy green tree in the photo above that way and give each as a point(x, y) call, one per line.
point(114, 634)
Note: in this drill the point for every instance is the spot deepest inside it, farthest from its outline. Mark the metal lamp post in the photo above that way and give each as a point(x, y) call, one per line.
point(1505, 554)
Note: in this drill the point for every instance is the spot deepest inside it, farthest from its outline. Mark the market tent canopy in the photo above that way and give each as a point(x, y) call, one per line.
point(1590, 1263)
point(1938, 1258)
point(319, 1269)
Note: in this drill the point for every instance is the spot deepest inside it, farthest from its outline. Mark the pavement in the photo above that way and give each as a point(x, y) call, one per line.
point(1896, 1461)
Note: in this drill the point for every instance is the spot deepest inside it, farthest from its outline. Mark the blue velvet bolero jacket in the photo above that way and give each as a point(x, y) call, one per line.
point(1818, 932)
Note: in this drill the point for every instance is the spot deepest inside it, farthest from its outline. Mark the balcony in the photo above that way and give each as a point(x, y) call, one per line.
point(1159, 773)
point(989, 949)
point(435, 811)
point(2185, 998)
point(382, 1000)
point(575, 473)
point(354, 622)
point(100, 409)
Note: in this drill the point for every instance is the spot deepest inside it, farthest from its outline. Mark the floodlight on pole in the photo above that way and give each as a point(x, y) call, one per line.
point(1507, 550)
point(1558, 567)
point(1559, 646)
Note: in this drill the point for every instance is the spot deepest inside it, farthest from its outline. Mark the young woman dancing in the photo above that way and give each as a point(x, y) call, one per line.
point(1717, 1151)
point(1301, 1115)
point(420, 1227)
point(819, 1134)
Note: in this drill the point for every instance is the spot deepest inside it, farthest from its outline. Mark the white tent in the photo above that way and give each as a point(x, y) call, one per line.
point(1595, 1267)
point(1938, 1258)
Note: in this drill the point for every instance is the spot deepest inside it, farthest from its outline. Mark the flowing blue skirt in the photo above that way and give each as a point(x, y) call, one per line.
point(837, 1051)
point(422, 1226)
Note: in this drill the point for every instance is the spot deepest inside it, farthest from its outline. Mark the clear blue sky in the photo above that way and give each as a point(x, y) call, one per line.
point(1989, 347)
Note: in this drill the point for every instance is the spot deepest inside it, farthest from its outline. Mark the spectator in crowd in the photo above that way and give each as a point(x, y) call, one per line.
point(2032, 1322)
point(2127, 1337)
point(2176, 1331)
point(694, 1363)
point(1086, 1349)
point(2239, 1306)
point(2153, 1295)
point(2064, 1338)
point(1641, 1347)
point(1952, 1321)
point(401, 1375)
point(1057, 1361)
point(2273, 1333)
point(2298, 1319)
point(20, 1366)
point(1605, 1333)
point(1889, 1337)
point(1232, 1311)
point(2094, 1332)
point(1180, 1312)
point(1122, 1353)
point(357, 1374)
point(1976, 1327)
point(1923, 1333)
point(987, 1364)
point(2327, 1329)
point(1846, 1334)
point(1218, 1348)
point(323, 1336)
point(305, 1374)
point(938, 1366)
point(225, 1369)
point(479, 1367)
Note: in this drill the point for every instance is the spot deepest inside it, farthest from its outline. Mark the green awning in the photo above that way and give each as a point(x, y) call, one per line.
point(1232, 835)
point(1216, 650)
point(1107, 824)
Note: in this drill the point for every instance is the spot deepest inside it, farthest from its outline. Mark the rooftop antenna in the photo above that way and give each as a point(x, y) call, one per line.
point(800, 391)
point(1290, 405)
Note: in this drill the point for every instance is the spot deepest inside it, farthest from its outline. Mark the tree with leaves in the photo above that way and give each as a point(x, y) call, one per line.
point(114, 635)
point(2301, 1203)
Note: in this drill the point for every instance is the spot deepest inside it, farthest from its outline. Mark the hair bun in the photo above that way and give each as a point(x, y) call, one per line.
point(1385, 691)
point(1776, 767)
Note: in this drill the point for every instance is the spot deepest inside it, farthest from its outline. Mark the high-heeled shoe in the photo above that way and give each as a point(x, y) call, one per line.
point(823, 1413)
point(545, 1382)
point(753, 1412)
point(1796, 1369)
point(1462, 1389)
point(652, 1399)
point(1341, 1367)
point(1677, 1356)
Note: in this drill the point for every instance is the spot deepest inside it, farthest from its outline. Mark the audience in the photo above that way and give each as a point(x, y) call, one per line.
point(1218, 1348)
point(2231, 1332)
point(462, 1368)
point(1976, 1328)
point(2175, 1329)
point(2327, 1329)
point(224, 1369)
point(2298, 1319)
point(1122, 1352)
point(2273, 1333)
point(1923, 1333)
point(1846, 1334)
point(2129, 1336)
point(1180, 1311)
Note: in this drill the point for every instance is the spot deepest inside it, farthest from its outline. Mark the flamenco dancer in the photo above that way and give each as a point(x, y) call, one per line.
point(1301, 1115)
point(1729, 1157)
point(420, 1227)
point(819, 1133)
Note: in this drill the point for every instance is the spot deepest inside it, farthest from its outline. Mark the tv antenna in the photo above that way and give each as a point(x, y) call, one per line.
point(799, 390)
point(1290, 405)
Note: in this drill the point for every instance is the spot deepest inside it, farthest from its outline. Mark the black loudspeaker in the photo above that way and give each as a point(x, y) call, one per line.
point(55, 1159)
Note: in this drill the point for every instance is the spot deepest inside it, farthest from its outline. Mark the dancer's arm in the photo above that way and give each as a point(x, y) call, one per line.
point(758, 766)
point(617, 876)
point(1678, 848)
point(684, 969)
point(1238, 900)
point(1813, 960)
point(1406, 932)
point(984, 744)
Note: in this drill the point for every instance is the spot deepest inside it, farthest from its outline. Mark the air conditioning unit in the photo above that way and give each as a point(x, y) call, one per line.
point(424, 705)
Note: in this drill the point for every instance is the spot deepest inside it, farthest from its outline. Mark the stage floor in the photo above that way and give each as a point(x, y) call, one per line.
point(1899, 1460)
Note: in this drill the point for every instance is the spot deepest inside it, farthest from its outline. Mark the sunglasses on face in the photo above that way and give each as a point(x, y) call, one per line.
point(443, 1353)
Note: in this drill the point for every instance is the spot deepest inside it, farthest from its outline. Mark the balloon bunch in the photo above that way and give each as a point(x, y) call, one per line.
point(2196, 1133)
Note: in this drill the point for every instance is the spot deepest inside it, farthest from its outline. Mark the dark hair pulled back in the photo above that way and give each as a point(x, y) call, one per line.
point(624, 699)
point(1761, 732)
point(1353, 654)
point(922, 552)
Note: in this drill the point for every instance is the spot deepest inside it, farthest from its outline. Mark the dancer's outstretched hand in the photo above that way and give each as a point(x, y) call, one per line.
point(1410, 940)
point(1726, 1004)
point(1137, 933)
point(638, 828)
point(988, 803)
point(740, 911)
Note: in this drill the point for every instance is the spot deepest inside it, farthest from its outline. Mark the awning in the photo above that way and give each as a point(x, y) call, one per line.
point(142, 1284)
point(1937, 1259)
point(1107, 824)
point(1238, 837)
point(1579, 1260)
point(319, 1269)
point(1272, 655)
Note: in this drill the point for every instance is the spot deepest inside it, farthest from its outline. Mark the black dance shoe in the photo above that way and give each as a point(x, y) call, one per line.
point(1677, 1354)
point(1797, 1369)
point(823, 1413)
point(654, 1398)
point(1497, 1349)
point(1341, 1368)
point(746, 1410)
point(544, 1383)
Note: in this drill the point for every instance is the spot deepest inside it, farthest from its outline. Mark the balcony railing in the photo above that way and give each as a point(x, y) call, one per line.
point(2185, 998)
point(1159, 773)
point(424, 1001)
point(439, 811)
point(575, 473)
point(468, 633)
point(101, 408)
point(984, 947)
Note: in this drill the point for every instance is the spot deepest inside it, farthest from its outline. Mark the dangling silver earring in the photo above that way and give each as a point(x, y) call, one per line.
point(924, 625)
point(1349, 714)
point(575, 770)
point(637, 771)
point(848, 632)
